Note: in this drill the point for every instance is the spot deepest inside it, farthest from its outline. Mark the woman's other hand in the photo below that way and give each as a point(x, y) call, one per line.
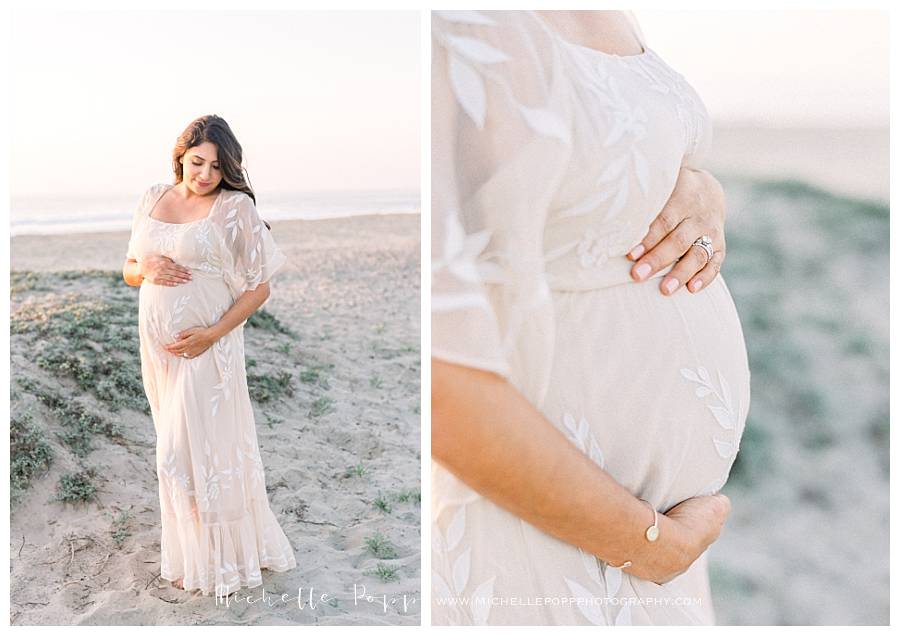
point(693, 525)
point(696, 207)
point(192, 341)
point(162, 270)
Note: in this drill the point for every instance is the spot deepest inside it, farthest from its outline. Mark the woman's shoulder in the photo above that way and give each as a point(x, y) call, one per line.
point(488, 37)
point(503, 62)
point(236, 196)
point(151, 194)
point(235, 211)
point(497, 22)
point(235, 203)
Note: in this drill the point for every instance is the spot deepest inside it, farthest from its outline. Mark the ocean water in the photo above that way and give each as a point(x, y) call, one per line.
point(75, 214)
point(854, 162)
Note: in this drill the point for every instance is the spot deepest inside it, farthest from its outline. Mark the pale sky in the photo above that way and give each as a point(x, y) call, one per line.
point(330, 100)
point(782, 68)
point(318, 100)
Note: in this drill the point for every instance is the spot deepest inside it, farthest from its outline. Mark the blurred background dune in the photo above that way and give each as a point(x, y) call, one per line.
point(800, 109)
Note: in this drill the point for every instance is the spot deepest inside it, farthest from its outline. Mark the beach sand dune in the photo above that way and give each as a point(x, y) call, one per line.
point(333, 365)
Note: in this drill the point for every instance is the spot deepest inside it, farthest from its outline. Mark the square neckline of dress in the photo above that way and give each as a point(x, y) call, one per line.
point(169, 187)
point(645, 52)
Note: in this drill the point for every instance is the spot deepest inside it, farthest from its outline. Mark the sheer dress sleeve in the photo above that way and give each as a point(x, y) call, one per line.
point(140, 210)
point(254, 257)
point(501, 137)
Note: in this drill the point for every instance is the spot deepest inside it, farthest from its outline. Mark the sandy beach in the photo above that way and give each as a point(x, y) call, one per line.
point(333, 363)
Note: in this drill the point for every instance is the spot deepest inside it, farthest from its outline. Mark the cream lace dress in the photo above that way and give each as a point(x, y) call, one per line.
point(549, 162)
point(218, 530)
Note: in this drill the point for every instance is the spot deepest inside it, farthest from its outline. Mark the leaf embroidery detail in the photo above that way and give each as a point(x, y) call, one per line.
point(461, 253)
point(546, 122)
point(465, 17)
point(580, 433)
point(479, 603)
point(476, 50)
point(723, 413)
point(466, 56)
point(591, 611)
point(468, 87)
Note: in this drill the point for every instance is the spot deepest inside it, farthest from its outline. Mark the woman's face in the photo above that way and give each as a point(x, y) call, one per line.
point(201, 170)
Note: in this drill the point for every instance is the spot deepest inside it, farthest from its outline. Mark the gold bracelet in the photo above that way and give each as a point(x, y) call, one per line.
point(651, 534)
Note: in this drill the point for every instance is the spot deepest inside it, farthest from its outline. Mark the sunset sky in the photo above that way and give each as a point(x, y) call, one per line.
point(810, 68)
point(330, 100)
point(318, 100)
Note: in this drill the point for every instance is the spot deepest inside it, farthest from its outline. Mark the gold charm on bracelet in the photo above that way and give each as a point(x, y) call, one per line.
point(652, 532)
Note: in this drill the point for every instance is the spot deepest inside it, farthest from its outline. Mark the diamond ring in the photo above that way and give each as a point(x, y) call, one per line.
point(706, 243)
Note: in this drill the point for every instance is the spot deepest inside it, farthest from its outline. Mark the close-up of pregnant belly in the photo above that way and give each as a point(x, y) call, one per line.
point(654, 388)
point(164, 310)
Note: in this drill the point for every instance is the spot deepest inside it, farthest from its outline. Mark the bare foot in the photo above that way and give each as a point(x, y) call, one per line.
point(179, 583)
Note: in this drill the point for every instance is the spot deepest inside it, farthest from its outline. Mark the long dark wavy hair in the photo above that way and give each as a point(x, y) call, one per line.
point(215, 130)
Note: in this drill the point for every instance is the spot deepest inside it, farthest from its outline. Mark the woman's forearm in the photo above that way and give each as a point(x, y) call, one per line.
point(242, 308)
point(131, 272)
point(487, 434)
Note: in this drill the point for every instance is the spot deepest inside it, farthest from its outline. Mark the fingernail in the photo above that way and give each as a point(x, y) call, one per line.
point(636, 252)
point(670, 285)
point(697, 284)
point(642, 270)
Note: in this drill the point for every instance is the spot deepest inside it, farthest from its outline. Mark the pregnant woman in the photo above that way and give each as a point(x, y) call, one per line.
point(584, 412)
point(203, 258)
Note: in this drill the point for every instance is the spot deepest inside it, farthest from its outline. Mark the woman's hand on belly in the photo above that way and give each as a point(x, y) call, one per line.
point(493, 439)
point(695, 207)
point(192, 341)
point(694, 524)
point(162, 270)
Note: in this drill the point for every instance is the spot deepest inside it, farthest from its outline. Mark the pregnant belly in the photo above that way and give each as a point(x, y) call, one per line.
point(654, 389)
point(164, 310)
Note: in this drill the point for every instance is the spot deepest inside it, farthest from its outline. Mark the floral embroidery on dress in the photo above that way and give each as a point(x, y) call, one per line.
point(591, 250)
point(587, 605)
point(463, 258)
point(648, 68)
point(250, 452)
point(442, 545)
point(166, 236)
point(179, 484)
point(469, 60)
point(222, 351)
point(212, 261)
point(594, 250)
point(724, 413)
point(176, 316)
point(624, 121)
point(580, 433)
point(234, 223)
point(601, 573)
point(249, 260)
point(609, 580)
point(172, 329)
point(690, 109)
point(213, 478)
